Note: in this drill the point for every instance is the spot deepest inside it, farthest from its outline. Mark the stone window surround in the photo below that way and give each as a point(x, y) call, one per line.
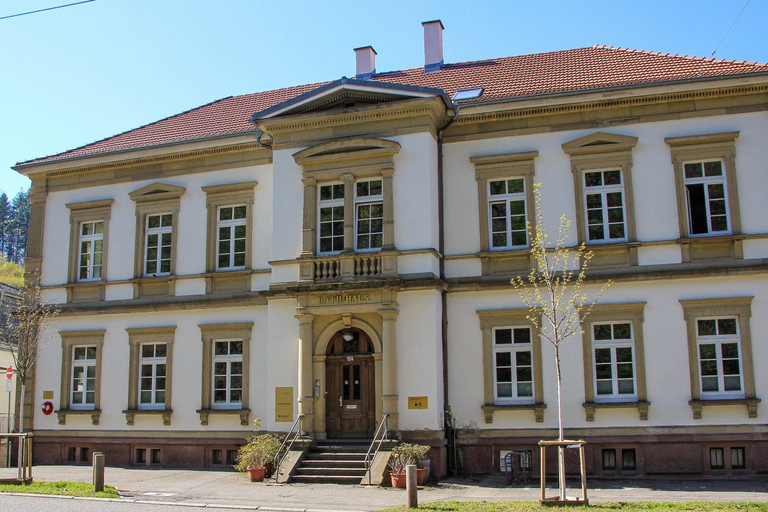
point(69, 340)
point(510, 318)
point(505, 165)
point(739, 307)
point(713, 146)
point(620, 312)
point(137, 337)
point(347, 160)
point(230, 194)
point(156, 198)
point(87, 211)
point(604, 151)
point(224, 332)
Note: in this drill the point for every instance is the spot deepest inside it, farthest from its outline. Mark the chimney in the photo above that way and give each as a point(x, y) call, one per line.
point(365, 60)
point(433, 45)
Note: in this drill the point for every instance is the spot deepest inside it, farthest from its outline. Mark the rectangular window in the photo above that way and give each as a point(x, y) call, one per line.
point(737, 458)
point(216, 457)
point(159, 236)
point(513, 364)
point(369, 215)
point(231, 237)
point(83, 394)
point(716, 458)
point(154, 456)
point(609, 459)
point(614, 361)
point(152, 376)
point(628, 460)
point(227, 374)
point(231, 457)
point(72, 454)
point(705, 192)
point(507, 213)
point(91, 250)
point(141, 455)
point(331, 218)
point(719, 357)
point(604, 204)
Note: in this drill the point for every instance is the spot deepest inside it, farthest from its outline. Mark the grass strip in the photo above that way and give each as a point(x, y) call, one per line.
point(640, 506)
point(79, 489)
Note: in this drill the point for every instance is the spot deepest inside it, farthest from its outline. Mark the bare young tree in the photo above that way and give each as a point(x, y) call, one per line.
point(554, 295)
point(23, 325)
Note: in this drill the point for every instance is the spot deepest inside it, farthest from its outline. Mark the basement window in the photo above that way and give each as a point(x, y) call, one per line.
point(467, 94)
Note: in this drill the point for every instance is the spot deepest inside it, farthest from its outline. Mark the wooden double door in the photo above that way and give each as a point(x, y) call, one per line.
point(350, 393)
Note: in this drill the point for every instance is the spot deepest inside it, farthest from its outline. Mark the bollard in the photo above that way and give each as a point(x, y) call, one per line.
point(98, 472)
point(410, 486)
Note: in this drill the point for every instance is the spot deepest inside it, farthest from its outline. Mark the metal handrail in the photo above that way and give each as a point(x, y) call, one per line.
point(370, 457)
point(278, 458)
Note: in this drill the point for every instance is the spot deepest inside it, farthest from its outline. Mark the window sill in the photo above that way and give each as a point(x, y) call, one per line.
point(538, 410)
point(243, 413)
point(164, 285)
point(86, 291)
point(613, 254)
point(131, 413)
point(506, 261)
point(712, 247)
point(227, 281)
point(95, 414)
point(642, 408)
point(750, 403)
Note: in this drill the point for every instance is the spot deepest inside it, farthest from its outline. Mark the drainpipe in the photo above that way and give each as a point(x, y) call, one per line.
point(444, 293)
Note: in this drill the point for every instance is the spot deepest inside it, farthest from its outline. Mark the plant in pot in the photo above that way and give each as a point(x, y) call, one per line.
point(257, 454)
point(404, 455)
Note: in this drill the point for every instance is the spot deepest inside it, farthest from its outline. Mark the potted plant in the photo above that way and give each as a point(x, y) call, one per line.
point(404, 455)
point(257, 454)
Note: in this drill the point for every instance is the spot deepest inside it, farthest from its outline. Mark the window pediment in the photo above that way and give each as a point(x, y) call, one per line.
point(348, 155)
point(599, 142)
point(157, 192)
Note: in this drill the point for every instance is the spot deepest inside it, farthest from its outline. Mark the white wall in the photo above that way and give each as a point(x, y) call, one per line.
point(652, 175)
point(666, 357)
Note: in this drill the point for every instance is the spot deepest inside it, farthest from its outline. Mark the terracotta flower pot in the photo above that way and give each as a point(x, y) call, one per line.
point(257, 474)
point(421, 475)
point(398, 480)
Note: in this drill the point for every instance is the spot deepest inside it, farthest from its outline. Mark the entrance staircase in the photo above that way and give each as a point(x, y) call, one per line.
point(337, 461)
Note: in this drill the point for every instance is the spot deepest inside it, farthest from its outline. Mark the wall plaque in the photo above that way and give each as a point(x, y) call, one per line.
point(418, 402)
point(284, 404)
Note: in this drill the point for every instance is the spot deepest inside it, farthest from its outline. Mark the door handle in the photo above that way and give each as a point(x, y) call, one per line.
point(339, 400)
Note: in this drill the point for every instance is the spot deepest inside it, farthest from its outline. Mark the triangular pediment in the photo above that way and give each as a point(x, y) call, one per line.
point(347, 93)
point(157, 192)
point(600, 142)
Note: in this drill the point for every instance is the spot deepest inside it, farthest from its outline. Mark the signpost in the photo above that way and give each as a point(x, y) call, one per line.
point(8, 386)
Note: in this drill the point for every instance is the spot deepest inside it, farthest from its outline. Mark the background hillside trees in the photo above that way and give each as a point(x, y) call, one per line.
point(14, 216)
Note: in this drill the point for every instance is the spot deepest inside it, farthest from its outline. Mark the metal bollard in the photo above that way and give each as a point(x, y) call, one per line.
point(411, 487)
point(98, 472)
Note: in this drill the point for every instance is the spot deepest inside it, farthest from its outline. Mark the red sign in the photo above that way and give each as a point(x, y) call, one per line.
point(9, 372)
point(47, 408)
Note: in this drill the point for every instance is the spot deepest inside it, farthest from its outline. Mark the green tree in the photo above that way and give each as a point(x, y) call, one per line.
point(11, 273)
point(554, 294)
point(5, 220)
point(17, 228)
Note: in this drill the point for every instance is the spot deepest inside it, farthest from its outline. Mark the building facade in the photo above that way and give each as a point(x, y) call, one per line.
point(343, 251)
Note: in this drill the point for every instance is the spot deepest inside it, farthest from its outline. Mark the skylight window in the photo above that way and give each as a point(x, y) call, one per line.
point(467, 94)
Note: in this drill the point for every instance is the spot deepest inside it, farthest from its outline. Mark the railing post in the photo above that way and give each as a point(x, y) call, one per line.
point(98, 472)
point(411, 487)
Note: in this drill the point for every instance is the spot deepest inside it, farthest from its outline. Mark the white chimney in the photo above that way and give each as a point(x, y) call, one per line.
point(433, 45)
point(365, 59)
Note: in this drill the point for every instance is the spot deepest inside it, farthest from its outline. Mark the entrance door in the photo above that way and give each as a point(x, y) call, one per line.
point(349, 404)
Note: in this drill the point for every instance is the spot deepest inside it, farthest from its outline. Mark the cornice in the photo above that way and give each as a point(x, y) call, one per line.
point(512, 109)
point(433, 107)
point(136, 157)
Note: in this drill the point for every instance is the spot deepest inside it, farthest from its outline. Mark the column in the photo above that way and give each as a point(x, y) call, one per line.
point(34, 256)
point(389, 210)
point(305, 394)
point(389, 366)
point(308, 241)
point(349, 212)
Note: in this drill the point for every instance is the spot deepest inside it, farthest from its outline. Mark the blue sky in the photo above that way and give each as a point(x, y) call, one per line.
point(75, 75)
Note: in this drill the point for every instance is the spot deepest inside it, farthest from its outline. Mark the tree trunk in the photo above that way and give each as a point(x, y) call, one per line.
point(560, 449)
point(21, 428)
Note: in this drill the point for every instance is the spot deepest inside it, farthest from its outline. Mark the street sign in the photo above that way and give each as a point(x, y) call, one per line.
point(8, 385)
point(9, 372)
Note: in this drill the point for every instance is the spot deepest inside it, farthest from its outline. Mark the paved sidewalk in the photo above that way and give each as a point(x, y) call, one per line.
point(228, 489)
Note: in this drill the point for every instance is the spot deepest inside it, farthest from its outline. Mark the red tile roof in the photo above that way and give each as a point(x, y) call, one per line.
point(508, 77)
